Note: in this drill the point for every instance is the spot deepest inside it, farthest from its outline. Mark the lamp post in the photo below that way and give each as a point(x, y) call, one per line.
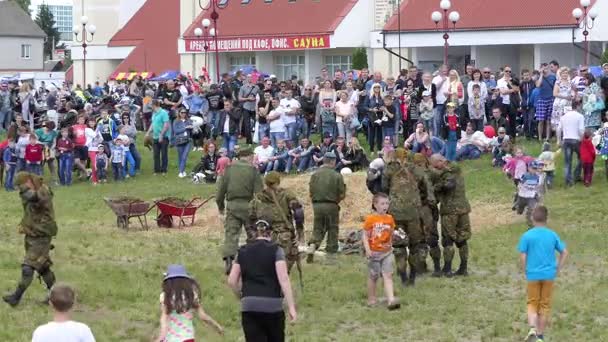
point(204, 32)
point(582, 17)
point(445, 18)
point(86, 30)
point(214, 6)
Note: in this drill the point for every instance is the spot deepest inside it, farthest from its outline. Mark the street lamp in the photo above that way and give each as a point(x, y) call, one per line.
point(582, 17)
point(214, 6)
point(454, 16)
point(86, 30)
point(204, 32)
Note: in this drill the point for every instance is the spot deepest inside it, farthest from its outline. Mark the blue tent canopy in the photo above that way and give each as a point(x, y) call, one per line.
point(166, 76)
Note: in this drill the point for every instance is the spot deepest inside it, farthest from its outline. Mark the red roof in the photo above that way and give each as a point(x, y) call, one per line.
point(277, 18)
point(153, 30)
point(487, 14)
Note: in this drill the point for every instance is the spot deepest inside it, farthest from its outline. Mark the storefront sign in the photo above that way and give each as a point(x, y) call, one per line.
point(260, 43)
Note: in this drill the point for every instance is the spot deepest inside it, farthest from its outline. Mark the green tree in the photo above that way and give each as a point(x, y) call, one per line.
point(46, 22)
point(604, 58)
point(25, 4)
point(359, 58)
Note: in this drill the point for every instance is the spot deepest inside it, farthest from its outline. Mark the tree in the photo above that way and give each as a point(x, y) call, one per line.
point(25, 4)
point(46, 22)
point(360, 58)
point(604, 58)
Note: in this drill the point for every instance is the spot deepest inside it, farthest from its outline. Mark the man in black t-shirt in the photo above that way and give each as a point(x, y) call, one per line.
point(170, 98)
point(216, 104)
point(338, 82)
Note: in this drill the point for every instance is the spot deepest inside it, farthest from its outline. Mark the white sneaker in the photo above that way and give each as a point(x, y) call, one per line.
point(181, 175)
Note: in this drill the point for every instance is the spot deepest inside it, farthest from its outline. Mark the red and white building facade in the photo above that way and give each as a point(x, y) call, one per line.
point(279, 37)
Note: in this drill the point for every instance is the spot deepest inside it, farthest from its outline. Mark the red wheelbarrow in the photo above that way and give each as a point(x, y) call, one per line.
point(170, 207)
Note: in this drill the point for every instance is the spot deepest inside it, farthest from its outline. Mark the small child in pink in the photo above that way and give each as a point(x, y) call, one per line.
point(222, 162)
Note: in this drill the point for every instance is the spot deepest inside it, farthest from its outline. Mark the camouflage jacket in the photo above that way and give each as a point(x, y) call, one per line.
point(406, 185)
point(450, 190)
point(263, 207)
point(240, 182)
point(38, 213)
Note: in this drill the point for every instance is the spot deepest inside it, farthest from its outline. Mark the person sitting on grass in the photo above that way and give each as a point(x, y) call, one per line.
point(179, 302)
point(208, 164)
point(501, 147)
point(300, 156)
point(62, 328)
point(262, 154)
point(326, 146)
point(537, 249)
point(471, 147)
point(378, 243)
point(355, 158)
point(419, 141)
point(278, 161)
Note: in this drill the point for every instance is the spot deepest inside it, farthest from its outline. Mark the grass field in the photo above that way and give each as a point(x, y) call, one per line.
point(118, 274)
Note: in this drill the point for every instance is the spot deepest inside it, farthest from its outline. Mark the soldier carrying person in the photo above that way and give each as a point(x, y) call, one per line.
point(39, 227)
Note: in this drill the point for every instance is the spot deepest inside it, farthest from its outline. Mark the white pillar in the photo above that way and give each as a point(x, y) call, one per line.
point(414, 52)
point(474, 55)
point(537, 56)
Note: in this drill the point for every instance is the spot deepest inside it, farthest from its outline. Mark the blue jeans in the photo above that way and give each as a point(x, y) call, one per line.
point(468, 152)
point(129, 164)
point(10, 175)
point(161, 158)
point(213, 121)
point(328, 127)
point(136, 156)
point(66, 164)
point(571, 146)
point(263, 131)
point(292, 132)
point(35, 169)
point(118, 171)
point(21, 165)
point(278, 165)
point(229, 142)
point(101, 174)
point(276, 136)
point(4, 120)
point(450, 150)
point(305, 128)
point(389, 132)
point(437, 145)
point(438, 119)
point(182, 156)
point(303, 164)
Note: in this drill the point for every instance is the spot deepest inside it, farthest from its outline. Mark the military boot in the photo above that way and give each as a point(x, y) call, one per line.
point(463, 251)
point(462, 269)
point(14, 298)
point(310, 257)
point(412, 280)
point(447, 269)
point(436, 268)
point(403, 276)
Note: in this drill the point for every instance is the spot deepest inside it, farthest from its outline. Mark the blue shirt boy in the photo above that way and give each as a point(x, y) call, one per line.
point(540, 244)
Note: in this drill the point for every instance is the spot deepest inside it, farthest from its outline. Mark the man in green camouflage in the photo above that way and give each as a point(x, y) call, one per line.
point(406, 185)
point(429, 216)
point(327, 190)
point(39, 227)
point(240, 182)
point(454, 210)
point(275, 205)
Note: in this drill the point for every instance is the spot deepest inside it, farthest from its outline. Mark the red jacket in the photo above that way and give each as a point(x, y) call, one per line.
point(33, 153)
point(587, 151)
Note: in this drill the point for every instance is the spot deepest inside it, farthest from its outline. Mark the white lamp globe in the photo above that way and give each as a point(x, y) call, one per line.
point(593, 13)
point(84, 20)
point(76, 29)
point(577, 13)
point(206, 23)
point(198, 32)
point(92, 29)
point(454, 16)
point(436, 16)
point(445, 5)
point(585, 3)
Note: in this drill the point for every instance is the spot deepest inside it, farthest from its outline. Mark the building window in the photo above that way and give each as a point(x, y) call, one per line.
point(286, 66)
point(26, 50)
point(334, 63)
point(240, 62)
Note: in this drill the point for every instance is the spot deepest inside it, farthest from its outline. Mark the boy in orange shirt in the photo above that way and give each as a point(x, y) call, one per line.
point(378, 242)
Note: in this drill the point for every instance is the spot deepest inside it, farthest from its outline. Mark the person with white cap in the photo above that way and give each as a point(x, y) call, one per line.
point(179, 301)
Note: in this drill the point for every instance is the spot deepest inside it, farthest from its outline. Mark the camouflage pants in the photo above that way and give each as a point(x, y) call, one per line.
point(287, 240)
point(326, 221)
point(428, 216)
point(237, 217)
point(527, 204)
point(37, 252)
point(416, 243)
point(455, 229)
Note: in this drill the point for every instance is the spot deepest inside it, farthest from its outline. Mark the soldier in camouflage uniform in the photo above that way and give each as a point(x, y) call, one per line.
point(406, 185)
point(39, 227)
point(327, 190)
point(237, 187)
point(429, 215)
point(454, 210)
point(275, 205)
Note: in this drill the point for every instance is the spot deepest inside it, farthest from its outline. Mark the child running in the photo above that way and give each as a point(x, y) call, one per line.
point(537, 249)
point(179, 302)
point(529, 191)
point(378, 243)
point(547, 157)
